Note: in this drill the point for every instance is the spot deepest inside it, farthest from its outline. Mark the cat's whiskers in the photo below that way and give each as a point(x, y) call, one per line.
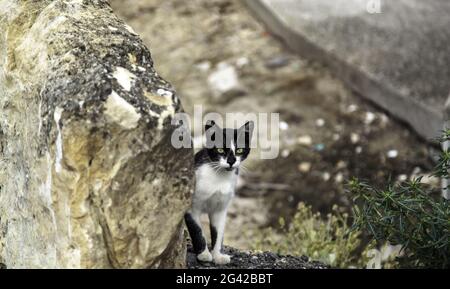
point(244, 168)
point(217, 169)
point(215, 166)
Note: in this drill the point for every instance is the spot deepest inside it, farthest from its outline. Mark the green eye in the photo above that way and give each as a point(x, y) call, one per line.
point(220, 151)
point(239, 151)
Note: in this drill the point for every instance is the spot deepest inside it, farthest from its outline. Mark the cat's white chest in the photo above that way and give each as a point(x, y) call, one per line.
point(212, 185)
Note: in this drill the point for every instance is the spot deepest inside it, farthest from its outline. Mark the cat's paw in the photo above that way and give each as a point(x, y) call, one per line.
point(221, 259)
point(205, 256)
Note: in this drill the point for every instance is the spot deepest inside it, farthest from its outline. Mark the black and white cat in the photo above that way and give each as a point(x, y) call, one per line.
point(216, 172)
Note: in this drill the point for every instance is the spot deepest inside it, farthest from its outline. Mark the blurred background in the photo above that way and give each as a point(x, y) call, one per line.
point(327, 133)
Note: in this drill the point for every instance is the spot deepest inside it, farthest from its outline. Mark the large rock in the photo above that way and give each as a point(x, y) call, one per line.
point(88, 176)
point(395, 53)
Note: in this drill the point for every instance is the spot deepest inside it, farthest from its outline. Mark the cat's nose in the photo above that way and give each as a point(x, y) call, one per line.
point(231, 161)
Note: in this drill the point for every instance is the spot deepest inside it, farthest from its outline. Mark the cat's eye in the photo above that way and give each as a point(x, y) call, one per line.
point(239, 151)
point(220, 151)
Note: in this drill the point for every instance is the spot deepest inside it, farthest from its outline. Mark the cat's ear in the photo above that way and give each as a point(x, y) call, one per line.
point(245, 133)
point(248, 127)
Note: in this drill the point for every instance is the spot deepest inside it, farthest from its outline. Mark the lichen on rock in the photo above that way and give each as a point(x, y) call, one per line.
point(88, 176)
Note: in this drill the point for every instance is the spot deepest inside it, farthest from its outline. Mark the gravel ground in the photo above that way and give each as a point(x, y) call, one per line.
point(252, 260)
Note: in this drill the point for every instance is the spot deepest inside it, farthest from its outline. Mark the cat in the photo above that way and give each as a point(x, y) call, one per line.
point(216, 173)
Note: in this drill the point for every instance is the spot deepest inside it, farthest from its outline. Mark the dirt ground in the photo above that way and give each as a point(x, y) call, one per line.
point(328, 133)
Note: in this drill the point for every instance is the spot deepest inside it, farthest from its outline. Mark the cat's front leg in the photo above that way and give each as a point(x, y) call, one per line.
point(193, 224)
point(217, 225)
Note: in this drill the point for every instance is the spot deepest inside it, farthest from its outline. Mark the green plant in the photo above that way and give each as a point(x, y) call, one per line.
point(406, 214)
point(323, 239)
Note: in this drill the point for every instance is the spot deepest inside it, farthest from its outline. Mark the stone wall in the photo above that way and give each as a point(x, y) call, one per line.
point(88, 177)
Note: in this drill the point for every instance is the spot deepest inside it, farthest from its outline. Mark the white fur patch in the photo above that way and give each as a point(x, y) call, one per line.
point(213, 190)
point(205, 256)
point(238, 162)
point(223, 162)
point(221, 259)
point(233, 147)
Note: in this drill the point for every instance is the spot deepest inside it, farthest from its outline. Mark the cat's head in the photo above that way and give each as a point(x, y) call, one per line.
point(228, 147)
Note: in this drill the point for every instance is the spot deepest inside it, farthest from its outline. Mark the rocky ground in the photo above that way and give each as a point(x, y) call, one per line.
point(328, 134)
point(252, 260)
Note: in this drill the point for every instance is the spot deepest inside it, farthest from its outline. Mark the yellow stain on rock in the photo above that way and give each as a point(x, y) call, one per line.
point(161, 100)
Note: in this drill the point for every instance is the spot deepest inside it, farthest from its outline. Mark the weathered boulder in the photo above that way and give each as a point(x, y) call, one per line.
point(88, 175)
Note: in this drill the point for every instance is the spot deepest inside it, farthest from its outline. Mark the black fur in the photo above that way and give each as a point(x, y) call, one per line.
point(201, 158)
point(213, 231)
point(195, 231)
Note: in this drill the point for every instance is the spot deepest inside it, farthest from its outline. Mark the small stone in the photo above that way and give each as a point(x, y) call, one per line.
point(416, 171)
point(224, 79)
point(358, 150)
point(369, 118)
point(384, 120)
point(284, 125)
point(277, 62)
point(354, 138)
point(319, 147)
point(402, 178)
point(339, 178)
point(285, 153)
point(304, 167)
point(320, 122)
point(305, 140)
point(326, 176)
point(352, 108)
point(341, 165)
point(392, 154)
